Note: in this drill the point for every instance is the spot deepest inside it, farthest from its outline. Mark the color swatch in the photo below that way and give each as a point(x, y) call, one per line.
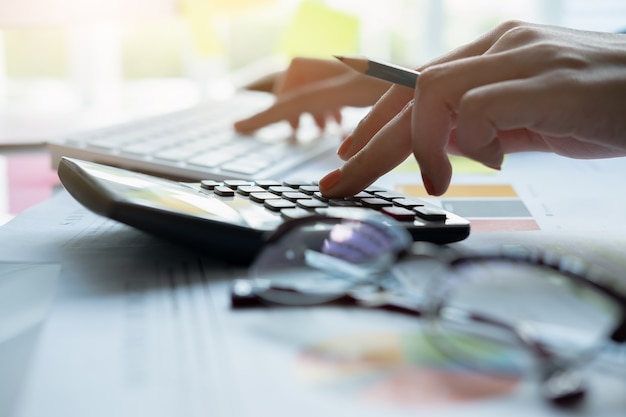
point(488, 207)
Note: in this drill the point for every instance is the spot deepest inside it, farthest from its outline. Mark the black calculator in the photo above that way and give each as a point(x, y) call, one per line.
point(232, 219)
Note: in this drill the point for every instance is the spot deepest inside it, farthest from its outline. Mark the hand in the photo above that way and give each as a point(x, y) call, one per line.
point(316, 86)
point(520, 87)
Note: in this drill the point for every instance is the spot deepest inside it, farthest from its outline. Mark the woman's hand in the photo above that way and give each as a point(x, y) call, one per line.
point(520, 87)
point(319, 87)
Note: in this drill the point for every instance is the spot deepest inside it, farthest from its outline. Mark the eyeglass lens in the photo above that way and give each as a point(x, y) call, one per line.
point(538, 314)
point(322, 260)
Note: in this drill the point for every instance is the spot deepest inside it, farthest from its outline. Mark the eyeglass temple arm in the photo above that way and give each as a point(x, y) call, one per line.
point(255, 299)
point(618, 335)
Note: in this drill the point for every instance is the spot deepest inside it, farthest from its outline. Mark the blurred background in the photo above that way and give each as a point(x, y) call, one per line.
point(70, 64)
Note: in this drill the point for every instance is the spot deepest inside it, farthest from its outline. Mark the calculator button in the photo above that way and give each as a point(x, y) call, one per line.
point(375, 203)
point(234, 184)
point(408, 203)
point(311, 204)
point(340, 202)
point(322, 211)
point(224, 191)
point(278, 204)
point(374, 189)
point(430, 213)
point(209, 184)
point(295, 195)
point(399, 213)
point(309, 189)
point(267, 183)
point(249, 189)
point(294, 213)
point(388, 195)
point(295, 183)
point(280, 189)
point(319, 196)
point(362, 194)
point(261, 197)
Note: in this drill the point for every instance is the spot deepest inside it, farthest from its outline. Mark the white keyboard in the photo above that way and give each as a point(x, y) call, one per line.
point(199, 143)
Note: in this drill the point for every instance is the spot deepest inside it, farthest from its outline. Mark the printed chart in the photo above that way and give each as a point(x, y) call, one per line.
point(402, 369)
point(488, 201)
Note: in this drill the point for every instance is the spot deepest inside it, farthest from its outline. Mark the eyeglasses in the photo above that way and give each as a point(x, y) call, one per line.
point(548, 313)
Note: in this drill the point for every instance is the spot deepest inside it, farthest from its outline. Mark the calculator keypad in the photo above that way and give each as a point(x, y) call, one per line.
point(293, 199)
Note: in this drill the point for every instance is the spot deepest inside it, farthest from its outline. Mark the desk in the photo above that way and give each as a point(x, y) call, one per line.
point(139, 327)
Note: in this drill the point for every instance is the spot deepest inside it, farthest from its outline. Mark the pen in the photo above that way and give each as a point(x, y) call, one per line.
point(388, 72)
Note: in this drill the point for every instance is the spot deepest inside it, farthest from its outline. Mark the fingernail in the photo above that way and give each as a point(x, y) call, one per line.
point(428, 184)
point(494, 162)
point(344, 147)
point(330, 180)
point(241, 125)
point(497, 165)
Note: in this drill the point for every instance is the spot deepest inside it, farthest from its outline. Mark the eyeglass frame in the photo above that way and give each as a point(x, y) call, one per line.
point(560, 384)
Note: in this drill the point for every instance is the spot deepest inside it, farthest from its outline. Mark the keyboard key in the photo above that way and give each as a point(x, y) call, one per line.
point(238, 167)
point(210, 159)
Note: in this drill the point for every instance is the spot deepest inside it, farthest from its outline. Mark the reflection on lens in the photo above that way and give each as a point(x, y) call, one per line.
point(357, 242)
point(478, 354)
point(527, 308)
point(321, 260)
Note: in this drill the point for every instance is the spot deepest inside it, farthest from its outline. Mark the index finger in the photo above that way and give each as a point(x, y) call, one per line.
point(389, 147)
point(397, 97)
point(322, 97)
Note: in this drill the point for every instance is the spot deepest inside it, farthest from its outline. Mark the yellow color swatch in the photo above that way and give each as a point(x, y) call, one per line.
point(320, 31)
point(460, 165)
point(236, 6)
point(199, 15)
point(471, 190)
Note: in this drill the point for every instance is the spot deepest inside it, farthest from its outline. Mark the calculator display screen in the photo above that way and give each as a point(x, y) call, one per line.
point(162, 194)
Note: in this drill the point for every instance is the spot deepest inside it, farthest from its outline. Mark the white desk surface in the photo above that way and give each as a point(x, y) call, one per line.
point(134, 326)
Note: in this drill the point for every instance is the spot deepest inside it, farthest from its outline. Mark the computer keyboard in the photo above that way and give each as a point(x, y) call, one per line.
point(200, 143)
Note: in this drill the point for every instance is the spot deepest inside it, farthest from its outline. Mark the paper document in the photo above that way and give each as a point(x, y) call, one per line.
point(139, 327)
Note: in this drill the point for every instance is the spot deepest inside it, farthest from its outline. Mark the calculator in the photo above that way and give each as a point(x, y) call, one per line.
point(233, 219)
